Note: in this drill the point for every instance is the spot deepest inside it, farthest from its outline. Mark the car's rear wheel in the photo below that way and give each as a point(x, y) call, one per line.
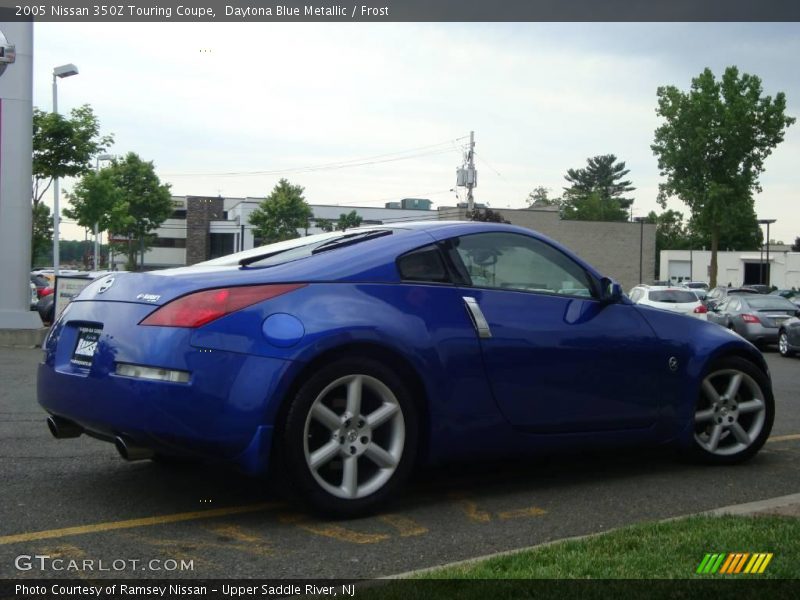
point(783, 344)
point(734, 413)
point(350, 437)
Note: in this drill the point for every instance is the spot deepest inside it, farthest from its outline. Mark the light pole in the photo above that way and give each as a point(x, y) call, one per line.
point(96, 224)
point(766, 222)
point(67, 70)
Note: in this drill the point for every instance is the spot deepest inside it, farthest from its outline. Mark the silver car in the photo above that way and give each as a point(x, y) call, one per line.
point(757, 318)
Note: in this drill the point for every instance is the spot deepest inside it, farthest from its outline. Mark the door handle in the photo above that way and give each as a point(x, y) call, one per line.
point(477, 318)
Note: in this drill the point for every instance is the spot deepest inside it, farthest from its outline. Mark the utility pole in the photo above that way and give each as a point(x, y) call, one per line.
point(471, 171)
point(467, 176)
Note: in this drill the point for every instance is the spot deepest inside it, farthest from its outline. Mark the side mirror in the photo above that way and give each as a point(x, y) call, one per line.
point(611, 291)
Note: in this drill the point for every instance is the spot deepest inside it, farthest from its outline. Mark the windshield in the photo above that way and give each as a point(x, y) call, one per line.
point(673, 296)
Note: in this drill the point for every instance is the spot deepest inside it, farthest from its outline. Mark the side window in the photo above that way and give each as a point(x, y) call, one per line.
point(518, 262)
point(636, 294)
point(423, 264)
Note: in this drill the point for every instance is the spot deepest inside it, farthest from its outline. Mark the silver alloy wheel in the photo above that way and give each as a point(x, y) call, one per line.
point(368, 446)
point(731, 412)
point(783, 343)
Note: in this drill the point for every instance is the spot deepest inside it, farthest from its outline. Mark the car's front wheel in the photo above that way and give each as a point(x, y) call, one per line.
point(734, 412)
point(783, 344)
point(350, 437)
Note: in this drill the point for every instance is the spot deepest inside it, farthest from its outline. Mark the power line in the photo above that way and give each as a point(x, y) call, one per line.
point(430, 150)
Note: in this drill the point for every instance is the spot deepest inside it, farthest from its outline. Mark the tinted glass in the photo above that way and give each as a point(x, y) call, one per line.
point(673, 296)
point(518, 262)
point(770, 303)
point(424, 264)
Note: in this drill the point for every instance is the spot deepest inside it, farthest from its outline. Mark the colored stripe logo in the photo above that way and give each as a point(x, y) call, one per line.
point(734, 563)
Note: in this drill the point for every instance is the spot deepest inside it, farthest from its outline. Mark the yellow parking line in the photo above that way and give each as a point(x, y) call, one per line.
point(131, 523)
point(518, 513)
point(335, 532)
point(406, 526)
point(784, 438)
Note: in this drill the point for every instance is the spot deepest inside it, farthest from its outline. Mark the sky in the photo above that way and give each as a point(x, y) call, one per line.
point(386, 108)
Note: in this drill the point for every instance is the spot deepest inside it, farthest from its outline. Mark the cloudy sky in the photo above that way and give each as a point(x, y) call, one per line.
point(230, 108)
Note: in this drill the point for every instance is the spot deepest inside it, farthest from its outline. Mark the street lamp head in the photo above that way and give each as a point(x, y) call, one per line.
point(766, 221)
point(67, 70)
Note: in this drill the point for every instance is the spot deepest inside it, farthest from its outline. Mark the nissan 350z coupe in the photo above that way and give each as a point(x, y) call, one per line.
point(343, 360)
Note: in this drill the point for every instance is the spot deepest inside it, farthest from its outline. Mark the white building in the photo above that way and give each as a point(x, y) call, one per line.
point(782, 269)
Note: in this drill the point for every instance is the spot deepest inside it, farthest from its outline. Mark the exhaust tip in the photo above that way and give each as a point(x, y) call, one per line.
point(130, 451)
point(62, 428)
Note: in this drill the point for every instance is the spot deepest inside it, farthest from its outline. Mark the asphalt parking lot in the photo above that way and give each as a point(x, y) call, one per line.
point(76, 500)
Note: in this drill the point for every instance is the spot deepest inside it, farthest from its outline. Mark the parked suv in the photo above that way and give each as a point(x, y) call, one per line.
point(673, 299)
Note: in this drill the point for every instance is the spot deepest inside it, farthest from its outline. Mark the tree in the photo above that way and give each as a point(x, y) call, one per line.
point(486, 215)
point(281, 214)
point(42, 239)
point(64, 147)
point(603, 175)
point(578, 206)
point(128, 199)
point(348, 221)
point(712, 147)
point(540, 198)
point(325, 224)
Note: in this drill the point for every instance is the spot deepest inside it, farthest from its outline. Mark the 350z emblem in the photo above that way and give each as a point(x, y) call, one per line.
point(673, 364)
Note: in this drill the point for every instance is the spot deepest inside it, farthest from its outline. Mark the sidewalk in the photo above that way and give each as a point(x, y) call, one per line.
point(786, 506)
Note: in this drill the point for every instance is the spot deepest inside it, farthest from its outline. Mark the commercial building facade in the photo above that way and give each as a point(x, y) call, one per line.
point(780, 267)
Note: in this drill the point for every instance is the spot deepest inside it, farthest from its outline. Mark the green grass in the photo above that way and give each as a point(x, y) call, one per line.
point(653, 551)
point(657, 560)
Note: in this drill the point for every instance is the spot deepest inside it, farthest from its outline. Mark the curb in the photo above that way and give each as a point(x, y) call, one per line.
point(734, 509)
point(22, 338)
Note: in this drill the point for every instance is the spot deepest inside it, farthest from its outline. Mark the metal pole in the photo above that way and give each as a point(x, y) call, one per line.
point(641, 247)
point(56, 217)
point(470, 171)
point(768, 269)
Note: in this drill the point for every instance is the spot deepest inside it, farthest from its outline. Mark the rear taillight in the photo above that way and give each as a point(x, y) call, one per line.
point(699, 310)
point(750, 318)
point(44, 292)
point(199, 308)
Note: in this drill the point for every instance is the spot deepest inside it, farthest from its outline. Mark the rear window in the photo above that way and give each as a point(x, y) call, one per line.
point(770, 303)
point(673, 296)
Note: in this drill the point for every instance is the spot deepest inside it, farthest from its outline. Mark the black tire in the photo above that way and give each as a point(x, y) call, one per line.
point(783, 345)
point(294, 442)
point(755, 383)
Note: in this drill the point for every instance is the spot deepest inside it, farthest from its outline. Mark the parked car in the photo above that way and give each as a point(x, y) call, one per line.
point(719, 293)
point(46, 307)
point(789, 337)
point(43, 285)
point(674, 299)
point(34, 297)
point(755, 317)
point(760, 288)
point(698, 287)
point(343, 360)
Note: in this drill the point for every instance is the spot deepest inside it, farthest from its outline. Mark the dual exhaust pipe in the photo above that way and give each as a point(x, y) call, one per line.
point(63, 429)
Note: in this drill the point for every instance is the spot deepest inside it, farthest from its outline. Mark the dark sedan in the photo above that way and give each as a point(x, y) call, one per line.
point(756, 317)
point(789, 337)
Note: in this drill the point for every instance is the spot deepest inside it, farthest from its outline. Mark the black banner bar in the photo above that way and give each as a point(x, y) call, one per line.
point(400, 10)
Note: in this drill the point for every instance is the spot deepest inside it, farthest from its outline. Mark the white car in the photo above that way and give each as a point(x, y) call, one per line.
point(674, 299)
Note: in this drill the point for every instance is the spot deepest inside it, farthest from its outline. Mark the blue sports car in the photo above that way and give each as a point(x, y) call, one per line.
point(343, 360)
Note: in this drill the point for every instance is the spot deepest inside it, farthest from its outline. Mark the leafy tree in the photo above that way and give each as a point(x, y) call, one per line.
point(348, 221)
point(603, 175)
point(129, 200)
point(325, 224)
point(93, 199)
point(796, 245)
point(671, 232)
point(540, 198)
point(64, 147)
point(486, 215)
point(281, 214)
point(594, 206)
point(712, 147)
point(42, 232)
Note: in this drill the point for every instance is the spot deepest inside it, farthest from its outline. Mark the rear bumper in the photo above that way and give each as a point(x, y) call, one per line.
point(221, 412)
point(758, 334)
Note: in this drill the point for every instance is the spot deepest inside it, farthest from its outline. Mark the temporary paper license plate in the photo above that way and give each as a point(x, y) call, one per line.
point(88, 338)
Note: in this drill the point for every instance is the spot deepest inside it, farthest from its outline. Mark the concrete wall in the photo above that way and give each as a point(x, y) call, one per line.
point(613, 248)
